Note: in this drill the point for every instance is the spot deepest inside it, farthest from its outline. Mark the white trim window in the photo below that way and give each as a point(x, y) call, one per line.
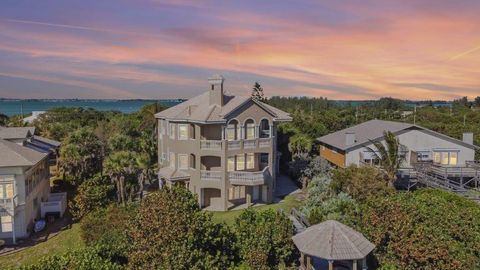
point(250, 130)
point(172, 130)
point(183, 161)
point(240, 162)
point(182, 131)
point(6, 191)
point(231, 130)
point(250, 160)
point(231, 164)
point(7, 224)
point(172, 160)
point(445, 157)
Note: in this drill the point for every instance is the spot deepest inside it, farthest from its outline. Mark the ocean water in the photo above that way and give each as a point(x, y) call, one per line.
point(17, 107)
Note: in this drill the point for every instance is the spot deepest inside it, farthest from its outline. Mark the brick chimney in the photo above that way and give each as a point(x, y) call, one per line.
point(216, 89)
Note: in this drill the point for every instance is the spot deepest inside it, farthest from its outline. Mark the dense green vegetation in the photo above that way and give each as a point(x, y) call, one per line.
point(108, 158)
point(426, 229)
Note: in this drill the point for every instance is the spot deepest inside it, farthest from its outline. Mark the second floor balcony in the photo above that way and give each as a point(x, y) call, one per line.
point(241, 178)
point(217, 145)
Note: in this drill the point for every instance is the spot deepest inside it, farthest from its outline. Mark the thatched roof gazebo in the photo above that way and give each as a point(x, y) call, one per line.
point(332, 241)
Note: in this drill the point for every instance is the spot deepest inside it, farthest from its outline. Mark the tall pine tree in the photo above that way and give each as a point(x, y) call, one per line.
point(257, 92)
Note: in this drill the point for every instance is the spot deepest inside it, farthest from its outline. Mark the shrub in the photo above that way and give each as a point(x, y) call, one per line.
point(106, 228)
point(81, 259)
point(323, 203)
point(426, 229)
point(91, 194)
point(360, 182)
point(171, 232)
point(265, 239)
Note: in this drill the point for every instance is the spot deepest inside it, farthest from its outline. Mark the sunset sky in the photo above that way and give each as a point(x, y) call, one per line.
point(358, 49)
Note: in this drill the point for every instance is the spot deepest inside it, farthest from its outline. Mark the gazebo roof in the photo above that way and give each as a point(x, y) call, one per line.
point(332, 240)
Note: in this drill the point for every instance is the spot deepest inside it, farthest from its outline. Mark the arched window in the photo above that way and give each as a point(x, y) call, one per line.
point(249, 129)
point(264, 128)
point(231, 132)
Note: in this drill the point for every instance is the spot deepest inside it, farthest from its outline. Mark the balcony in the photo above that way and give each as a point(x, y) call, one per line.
point(211, 175)
point(217, 145)
point(211, 145)
point(249, 178)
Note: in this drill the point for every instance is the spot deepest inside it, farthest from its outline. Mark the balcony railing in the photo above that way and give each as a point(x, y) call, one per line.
point(249, 144)
point(234, 144)
point(211, 145)
point(237, 144)
point(249, 178)
point(211, 175)
point(264, 142)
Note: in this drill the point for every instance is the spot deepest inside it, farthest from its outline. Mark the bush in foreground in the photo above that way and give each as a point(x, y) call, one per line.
point(81, 259)
point(171, 232)
point(265, 239)
point(427, 229)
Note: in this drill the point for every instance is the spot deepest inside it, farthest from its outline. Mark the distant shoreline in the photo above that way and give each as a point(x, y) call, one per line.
point(25, 107)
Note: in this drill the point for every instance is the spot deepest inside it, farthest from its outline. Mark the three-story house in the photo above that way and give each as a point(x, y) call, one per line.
point(221, 147)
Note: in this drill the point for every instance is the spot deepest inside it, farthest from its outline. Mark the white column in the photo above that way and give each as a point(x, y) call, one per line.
point(364, 264)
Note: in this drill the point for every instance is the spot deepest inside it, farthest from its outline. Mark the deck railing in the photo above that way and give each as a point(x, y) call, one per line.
point(249, 144)
point(249, 178)
point(264, 142)
point(234, 144)
point(211, 144)
point(211, 175)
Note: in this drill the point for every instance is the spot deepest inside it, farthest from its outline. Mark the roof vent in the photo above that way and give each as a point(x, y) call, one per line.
point(350, 138)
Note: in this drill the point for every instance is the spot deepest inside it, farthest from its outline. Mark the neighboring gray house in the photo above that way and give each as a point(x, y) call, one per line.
point(24, 181)
point(350, 146)
point(221, 147)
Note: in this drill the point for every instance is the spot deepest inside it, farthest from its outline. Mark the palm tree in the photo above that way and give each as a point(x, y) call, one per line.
point(119, 166)
point(300, 144)
point(389, 154)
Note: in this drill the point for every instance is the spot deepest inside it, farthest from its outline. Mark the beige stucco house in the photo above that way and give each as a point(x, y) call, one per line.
point(221, 147)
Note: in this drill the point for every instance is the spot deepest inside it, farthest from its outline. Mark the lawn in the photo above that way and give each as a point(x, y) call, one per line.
point(65, 240)
point(286, 204)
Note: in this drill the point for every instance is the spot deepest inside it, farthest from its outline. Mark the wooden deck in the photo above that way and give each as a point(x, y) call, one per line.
point(464, 180)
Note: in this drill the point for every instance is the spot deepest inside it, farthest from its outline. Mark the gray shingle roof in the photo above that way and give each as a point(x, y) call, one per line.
point(10, 133)
point(373, 130)
point(197, 109)
point(13, 155)
point(332, 240)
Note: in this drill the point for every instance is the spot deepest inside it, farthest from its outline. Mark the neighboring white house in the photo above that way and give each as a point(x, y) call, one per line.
point(33, 117)
point(351, 145)
point(24, 184)
point(24, 181)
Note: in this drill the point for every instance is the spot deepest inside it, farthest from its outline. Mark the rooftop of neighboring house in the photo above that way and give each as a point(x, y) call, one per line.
point(15, 155)
point(215, 106)
point(361, 134)
point(12, 133)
